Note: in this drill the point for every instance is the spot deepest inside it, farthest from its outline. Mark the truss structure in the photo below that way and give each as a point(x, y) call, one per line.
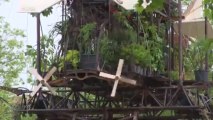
point(95, 94)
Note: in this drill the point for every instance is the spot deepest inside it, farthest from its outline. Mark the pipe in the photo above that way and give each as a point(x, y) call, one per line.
point(180, 44)
point(38, 62)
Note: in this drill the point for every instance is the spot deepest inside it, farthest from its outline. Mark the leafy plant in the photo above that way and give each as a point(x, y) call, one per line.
point(6, 111)
point(72, 57)
point(47, 52)
point(46, 12)
point(85, 37)
point(208, 10)
point(154, 42)
point(29, 117)
point(122, 18)
point(197, 52)
point(174, 75)
point(146, 50)
point(11, 49)
point(138, 54)
point(155, 5)
point(113, 43)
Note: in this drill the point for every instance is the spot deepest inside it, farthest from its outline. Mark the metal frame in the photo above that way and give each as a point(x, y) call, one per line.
point(147, 102)
point(77, 100)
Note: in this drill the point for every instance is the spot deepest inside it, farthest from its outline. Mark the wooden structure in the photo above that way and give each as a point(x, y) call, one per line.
point(84, 93)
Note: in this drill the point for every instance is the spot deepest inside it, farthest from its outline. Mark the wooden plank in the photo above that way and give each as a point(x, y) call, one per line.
point(120, 67)
point(114, 88)
point(128, 81)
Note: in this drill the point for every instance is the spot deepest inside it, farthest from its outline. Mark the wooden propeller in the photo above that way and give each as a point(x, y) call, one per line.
point(43, 81)
point(117, 77)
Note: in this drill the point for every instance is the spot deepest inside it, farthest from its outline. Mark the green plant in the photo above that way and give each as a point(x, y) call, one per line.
point(72, 57)
point(208, 10)
point(28, 117)
point(85, 37)
point(146, 50)
point(111, 44)
point(154, 42)
point(174, 75)
point(138, 54)
point(155, 5)
point(12, 59)
point(45, 13)
point(196, 53)
point(47, 52)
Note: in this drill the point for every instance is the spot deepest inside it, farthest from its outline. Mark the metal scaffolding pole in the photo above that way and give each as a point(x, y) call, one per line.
point(38, 61)
point(180, 43)
point(206, 36)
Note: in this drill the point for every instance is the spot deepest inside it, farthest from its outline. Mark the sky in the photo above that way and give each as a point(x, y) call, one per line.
point(27, 23)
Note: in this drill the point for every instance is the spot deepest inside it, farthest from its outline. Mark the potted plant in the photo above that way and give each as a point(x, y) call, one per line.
point(138, 57)
point(196, 55)
point(70, 61)
point(87, 46)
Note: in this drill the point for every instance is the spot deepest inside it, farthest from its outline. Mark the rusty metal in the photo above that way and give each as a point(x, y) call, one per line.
point(83, 94)
point(180, 43)
point(38, 60)
point(17, 91)
point(169, 42)
point(206, 36)
point(142, 102)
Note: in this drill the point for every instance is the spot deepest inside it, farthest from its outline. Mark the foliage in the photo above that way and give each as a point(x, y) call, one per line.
point(123, 42)
point(47, 52)
point(60, 28)
point(174, 75)
point(113, 42)
point(6, 109)
point(155, 5)
point(107, 50)
point(85, 37)
point(186, 2)
point(28, 117)
point(45, 13)
point(208, 11)
point(122, 18)
point(12, 57)
point(86, 30)
point(72, 57)
point(12, 62)
point(8, 105)
point(138, 53)
point(197, 52)
point(154, 42)
point(31, 53)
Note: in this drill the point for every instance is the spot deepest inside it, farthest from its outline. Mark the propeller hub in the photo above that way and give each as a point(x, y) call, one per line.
point(42, 82)
point(117, 77)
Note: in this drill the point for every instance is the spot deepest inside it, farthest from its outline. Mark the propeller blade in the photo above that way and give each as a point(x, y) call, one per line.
point(49, 74)
point(114, 88)
point(106, 75)
point(36, 89)
point(120, 66)
point(127, 80)
point(34, 72)
point(50, 88)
